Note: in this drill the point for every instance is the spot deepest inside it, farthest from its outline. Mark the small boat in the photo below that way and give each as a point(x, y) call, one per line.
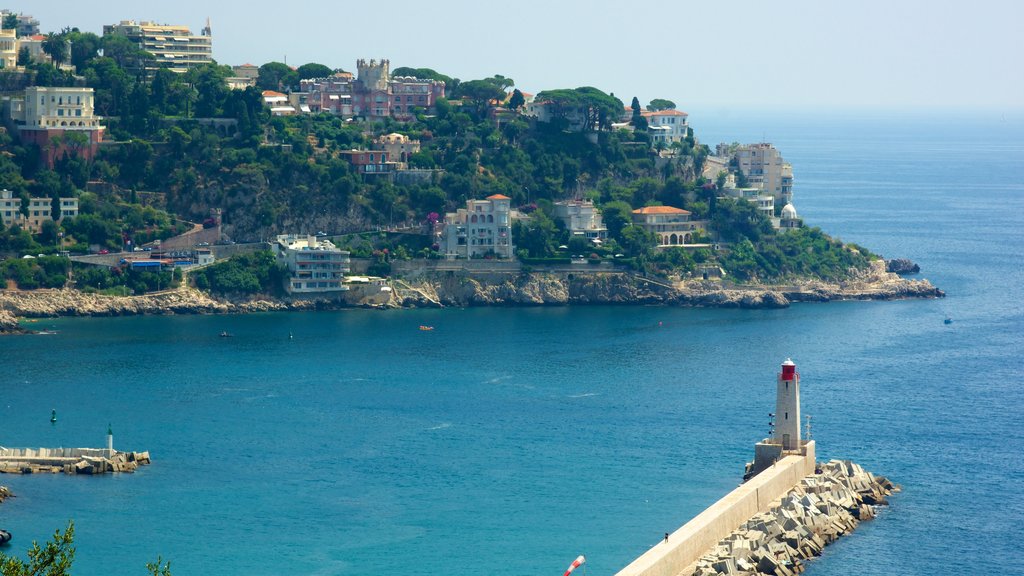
point(46, 332)
point(426, 328)
point(5, 536)
point(948, 320)
point(225, 334)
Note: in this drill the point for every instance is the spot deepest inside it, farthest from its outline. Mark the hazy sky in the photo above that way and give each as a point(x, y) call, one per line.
point(751, 54)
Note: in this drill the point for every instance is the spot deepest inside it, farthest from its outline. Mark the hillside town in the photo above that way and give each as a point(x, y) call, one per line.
point(676, 208)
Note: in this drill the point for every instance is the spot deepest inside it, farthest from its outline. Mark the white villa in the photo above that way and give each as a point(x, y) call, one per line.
point(581, 218)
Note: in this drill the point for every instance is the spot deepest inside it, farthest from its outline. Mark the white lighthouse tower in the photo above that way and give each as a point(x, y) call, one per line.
point(785, 435)
point(787, 407)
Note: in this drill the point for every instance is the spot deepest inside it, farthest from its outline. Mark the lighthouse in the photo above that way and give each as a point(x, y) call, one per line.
point(784, 439)
point(787, 407)
point(110, 441)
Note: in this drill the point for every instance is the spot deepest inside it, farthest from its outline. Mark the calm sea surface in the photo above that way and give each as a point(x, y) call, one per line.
point(508, 441)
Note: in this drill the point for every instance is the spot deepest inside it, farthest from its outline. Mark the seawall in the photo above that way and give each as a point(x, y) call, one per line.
point(686, 545)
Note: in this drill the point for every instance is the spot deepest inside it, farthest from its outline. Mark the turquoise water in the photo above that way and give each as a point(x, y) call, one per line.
point(509, 441)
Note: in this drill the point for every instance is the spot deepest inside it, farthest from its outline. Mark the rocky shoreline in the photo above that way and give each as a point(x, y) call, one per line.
point(440, 289)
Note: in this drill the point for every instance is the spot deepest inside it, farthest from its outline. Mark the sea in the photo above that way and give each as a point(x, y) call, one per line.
point(509, 441)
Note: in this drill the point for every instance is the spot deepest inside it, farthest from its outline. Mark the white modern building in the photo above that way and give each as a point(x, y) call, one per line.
point(314, 265)
point(483, 228)
point(172, 46)
point(581, 218)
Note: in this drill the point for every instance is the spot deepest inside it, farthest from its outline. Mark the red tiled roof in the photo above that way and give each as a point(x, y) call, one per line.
point(498, 197)
point(660, 210)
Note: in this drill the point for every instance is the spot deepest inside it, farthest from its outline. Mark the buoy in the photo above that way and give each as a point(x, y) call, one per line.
point(53, 416)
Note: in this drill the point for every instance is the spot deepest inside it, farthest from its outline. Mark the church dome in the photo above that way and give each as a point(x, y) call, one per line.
point(789, 212)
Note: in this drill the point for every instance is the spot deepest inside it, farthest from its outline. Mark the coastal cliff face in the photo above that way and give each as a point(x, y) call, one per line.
point(464, 289)
point(461, 289)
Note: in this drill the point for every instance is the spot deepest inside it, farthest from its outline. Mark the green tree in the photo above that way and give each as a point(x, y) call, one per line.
point(24, 57)
point(276, 76)
point(536, 235)
point(480, 93)
point(84, 47)
point(517, 100)
point(313, 70)
point(616, 216)
point(10, 21)
point(53, 559)
point(659, 104)
point(56, 45)
point(638, 242)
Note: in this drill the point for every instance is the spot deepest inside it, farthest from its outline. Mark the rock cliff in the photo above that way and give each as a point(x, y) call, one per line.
point(465, 289)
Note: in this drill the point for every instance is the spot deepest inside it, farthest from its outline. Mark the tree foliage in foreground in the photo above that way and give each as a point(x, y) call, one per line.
point(56, 556)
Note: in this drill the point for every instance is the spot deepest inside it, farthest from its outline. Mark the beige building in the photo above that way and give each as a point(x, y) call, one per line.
point(764, 167)
point(483, 228)
point(49, 107)
point(39, 211)
point(398, 147)
point(172, 46)
point(672, 226)
point(8, 49)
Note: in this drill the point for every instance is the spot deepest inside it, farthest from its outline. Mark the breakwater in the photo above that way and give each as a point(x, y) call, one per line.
point(820, 509)
point(686, 545)
point(770, 524)
point(69, 460)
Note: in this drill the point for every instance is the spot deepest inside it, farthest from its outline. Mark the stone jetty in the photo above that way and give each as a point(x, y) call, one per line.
point(816, 512)
point(69, 460)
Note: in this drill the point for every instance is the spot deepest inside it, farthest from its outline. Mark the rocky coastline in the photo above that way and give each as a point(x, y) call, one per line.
point(461, 289)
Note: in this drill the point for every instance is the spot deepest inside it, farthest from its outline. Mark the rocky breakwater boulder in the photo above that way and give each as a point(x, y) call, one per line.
point(119, 462)
point(9, 323)
point(822, 508)
point(5, 493)
point(901, 266)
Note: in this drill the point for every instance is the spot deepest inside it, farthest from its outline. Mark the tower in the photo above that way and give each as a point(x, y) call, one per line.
point(110, 441)
point(787, 407)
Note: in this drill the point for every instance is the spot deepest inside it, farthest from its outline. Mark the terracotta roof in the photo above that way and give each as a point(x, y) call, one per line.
point(271, 94)
point(498, 197)
point(660, 210)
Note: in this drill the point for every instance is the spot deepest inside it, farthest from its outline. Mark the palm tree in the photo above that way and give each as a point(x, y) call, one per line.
point(56, 45)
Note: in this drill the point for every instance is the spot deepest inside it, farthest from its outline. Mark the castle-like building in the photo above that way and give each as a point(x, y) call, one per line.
point(373, 93)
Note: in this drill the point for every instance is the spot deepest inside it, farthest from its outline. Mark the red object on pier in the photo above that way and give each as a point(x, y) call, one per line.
point(788, 370)
point(575, 564)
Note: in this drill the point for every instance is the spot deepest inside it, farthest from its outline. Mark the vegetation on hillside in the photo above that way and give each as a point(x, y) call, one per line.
point(187, 144)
